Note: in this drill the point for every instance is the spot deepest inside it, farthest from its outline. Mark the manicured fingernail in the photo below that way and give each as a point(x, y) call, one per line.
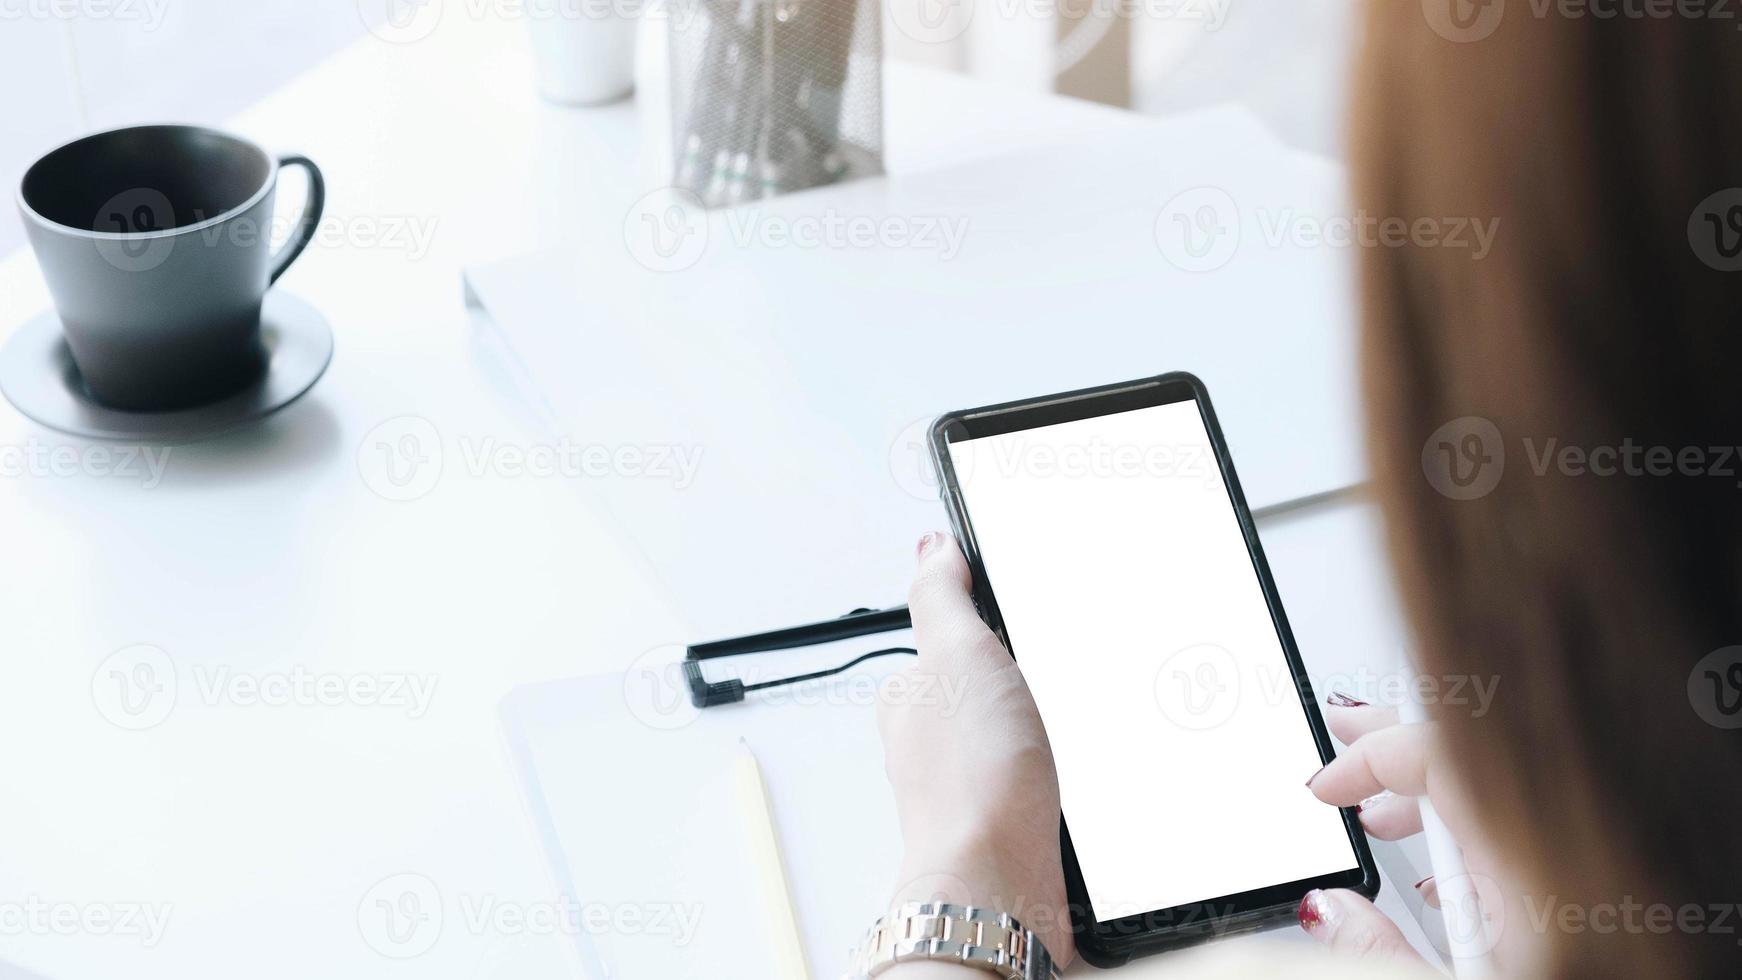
point(1316, 775)
point(1315, 911)
point(1430, 891)
point(1373, 800)
point(928, 541)
point(1342, 700)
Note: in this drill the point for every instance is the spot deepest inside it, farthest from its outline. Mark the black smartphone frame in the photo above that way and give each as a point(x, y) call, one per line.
point(1116, 941)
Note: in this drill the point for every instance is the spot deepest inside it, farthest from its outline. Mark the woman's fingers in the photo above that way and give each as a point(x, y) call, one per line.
point(1430, 891)
point(1349, 924)
point(1386, 815)
point(1350, 719)
point(1391, 817)
point(1394, 759)
point(947, 628)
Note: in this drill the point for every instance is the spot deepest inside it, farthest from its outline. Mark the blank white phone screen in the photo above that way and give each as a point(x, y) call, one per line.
point(1138, 618)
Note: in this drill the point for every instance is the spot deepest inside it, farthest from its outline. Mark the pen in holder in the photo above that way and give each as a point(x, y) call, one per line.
point(772, 96)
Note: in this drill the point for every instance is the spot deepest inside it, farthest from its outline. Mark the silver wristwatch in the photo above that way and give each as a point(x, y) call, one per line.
point(952, 934)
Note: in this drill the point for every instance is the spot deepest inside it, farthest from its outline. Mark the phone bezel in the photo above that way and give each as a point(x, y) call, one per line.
point(1116, 941)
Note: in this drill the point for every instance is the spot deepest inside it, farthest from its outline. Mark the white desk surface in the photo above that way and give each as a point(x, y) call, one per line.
point(266, 553)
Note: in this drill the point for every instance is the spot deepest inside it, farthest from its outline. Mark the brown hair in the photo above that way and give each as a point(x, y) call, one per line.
point(1600, 318)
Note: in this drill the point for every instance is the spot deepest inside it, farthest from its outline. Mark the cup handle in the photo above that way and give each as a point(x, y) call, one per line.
point(304, 231)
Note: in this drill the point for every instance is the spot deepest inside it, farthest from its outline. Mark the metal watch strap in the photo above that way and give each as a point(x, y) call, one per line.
point(946, 933)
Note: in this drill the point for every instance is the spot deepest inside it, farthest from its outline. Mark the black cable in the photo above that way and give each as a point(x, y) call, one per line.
point(859, 622)
point(849, 665)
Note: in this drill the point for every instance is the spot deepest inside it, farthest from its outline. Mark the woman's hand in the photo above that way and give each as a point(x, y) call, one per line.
point(969, 761)
point(1385, 769)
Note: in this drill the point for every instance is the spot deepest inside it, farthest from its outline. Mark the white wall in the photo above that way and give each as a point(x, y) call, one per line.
point(72, 66)
point(1287, 60)
point(113, 62)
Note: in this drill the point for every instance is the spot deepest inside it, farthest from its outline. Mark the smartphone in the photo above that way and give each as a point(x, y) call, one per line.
point(1114, 554)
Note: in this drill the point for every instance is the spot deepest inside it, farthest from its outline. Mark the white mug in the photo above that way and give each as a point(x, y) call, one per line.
point(584, 49)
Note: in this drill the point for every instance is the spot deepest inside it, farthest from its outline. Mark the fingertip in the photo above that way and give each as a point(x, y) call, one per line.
point(1429, 889)
point(1349, 923)
point(928, 543)
point(1314, 912)
point(941, 583)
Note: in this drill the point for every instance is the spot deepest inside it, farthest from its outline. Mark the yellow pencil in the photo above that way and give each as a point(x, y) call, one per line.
point(764, 842)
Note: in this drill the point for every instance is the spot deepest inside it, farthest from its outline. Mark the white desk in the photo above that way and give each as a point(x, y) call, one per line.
point(266, 554)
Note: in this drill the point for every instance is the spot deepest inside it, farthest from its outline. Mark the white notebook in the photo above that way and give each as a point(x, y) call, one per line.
point(804, 376)
point(631, 796)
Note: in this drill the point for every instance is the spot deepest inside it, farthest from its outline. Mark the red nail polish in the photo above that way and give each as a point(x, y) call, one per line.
point(927, 541)
point(1342, 700)
point(1423, 882)
point(1312, 912)
point(1316, 775)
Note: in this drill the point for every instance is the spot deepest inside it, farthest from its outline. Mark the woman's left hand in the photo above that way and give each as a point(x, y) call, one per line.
point(969, 762)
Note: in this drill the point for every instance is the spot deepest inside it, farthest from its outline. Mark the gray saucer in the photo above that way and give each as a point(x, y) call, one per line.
point(38, 377)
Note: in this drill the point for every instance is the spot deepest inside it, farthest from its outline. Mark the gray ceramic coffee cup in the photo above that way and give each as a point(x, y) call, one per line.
point(156, 245)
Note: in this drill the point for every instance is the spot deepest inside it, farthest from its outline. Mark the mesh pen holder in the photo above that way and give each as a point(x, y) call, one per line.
point(772, 96)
